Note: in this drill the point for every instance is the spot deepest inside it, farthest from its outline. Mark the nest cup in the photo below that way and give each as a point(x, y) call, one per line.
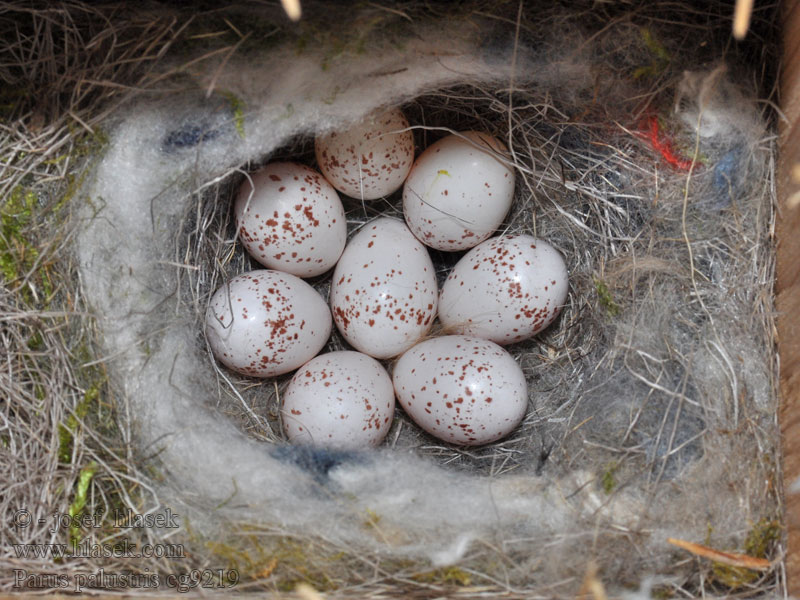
point(652, 397)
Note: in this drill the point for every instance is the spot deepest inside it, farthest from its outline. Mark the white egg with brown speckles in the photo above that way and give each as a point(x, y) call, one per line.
point(340, 400)
point(506, 289)
point(290, 219)
point(266, 323)
point(461, 389)
point(458, 192)
point(370, 159)
point(383, 292)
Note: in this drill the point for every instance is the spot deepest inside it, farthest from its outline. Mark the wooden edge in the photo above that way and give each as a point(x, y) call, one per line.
point(787, 286)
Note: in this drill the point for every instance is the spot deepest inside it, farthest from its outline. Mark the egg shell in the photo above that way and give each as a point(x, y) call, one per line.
point(340, 399)
point(370, 159)
point(383, 291)
point(290, 219)
point(506, 289)
point(266, 323)
point(458, 191)
point(461, 389)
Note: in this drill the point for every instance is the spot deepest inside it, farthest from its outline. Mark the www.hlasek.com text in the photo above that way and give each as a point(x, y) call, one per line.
point(121, 549)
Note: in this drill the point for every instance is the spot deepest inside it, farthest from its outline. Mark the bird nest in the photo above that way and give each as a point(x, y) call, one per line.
point(642, 147)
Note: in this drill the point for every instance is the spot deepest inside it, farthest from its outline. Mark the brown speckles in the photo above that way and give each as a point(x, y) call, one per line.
point(340, 317)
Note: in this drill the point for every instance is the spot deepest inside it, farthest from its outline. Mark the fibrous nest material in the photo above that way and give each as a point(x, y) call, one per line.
point(641, 141)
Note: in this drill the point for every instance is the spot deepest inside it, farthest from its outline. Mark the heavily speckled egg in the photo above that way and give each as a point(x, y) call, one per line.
point(458, 191)
point(461, 389)
point(506, 289)
point(339, 400)
point(369, 160)
point(266, 323)
point(289, 218)
point(383, 292)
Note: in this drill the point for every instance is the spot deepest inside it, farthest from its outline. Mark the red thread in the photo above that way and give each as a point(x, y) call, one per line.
point(664, 146)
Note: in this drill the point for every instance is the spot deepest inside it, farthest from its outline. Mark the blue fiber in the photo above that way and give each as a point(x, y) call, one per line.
point(187, 136)
point(727, 177)
point(318, 462)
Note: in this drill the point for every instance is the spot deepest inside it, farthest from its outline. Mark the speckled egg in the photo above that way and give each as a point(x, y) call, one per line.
point(506, 289)
point(458, 191)
point(369, 160)
point(461, 389)
point(289, 218)
point(383, 292)
point(266, 323)
point(339, 400)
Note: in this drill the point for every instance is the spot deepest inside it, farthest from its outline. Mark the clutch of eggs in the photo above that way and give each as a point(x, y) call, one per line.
point(464, 389)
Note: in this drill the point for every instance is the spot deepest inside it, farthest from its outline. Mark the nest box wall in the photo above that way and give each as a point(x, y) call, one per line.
point(788, 283)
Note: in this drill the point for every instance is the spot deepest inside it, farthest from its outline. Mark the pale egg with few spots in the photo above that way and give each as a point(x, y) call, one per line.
point(290, 218)
point(369, 159)
point(383, 292)
point(266, 323)
point(459, 191)
point(461, 389)
point(339, 400)
point(507, 289)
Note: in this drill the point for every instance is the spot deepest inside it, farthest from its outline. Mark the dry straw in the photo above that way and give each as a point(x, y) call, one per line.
point(658, 379)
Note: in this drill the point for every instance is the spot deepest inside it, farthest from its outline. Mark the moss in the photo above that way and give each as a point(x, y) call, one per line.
point(285, 561)
point(762, 538)
point(66, 430)
point(20, 214)
point(445, 576)
point(606, 299)
point(608, 480)
point(732, 577)
point(79, 502)
point(237, 107)
point(760, 541)
point(299, 562)
point(660, 57)
point(17, 252)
